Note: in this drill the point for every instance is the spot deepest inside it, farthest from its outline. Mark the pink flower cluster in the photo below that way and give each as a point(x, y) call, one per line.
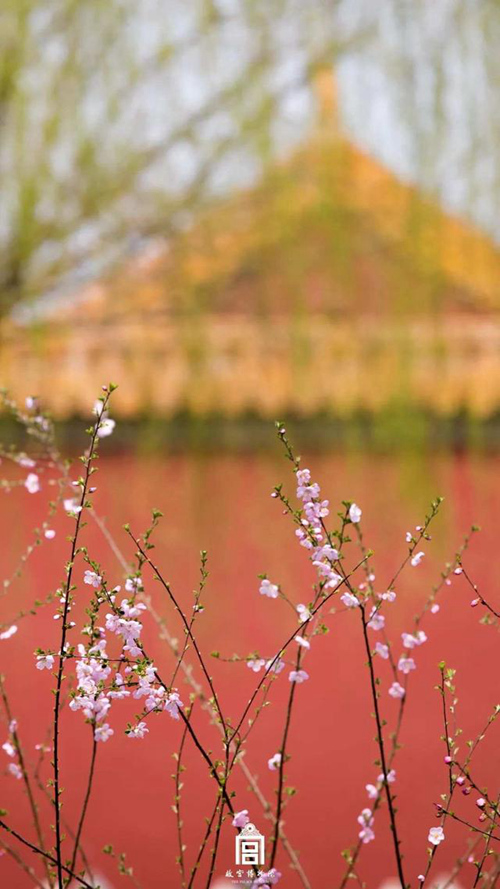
point(366, 820)
point(10, 749)
point(96, 687)
point(311, 534)
point(373, 790)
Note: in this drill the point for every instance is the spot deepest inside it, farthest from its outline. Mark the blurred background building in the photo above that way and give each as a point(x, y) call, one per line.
point(239, 210)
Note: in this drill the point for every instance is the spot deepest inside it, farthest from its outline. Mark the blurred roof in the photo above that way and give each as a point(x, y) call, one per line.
point(328, 230)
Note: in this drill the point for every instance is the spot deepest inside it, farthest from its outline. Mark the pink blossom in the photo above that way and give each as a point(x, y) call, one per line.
point(349, 600)
point(275, 665)
point(389, 596)
point(32, 483)
point(406, 664)
point(396, 690)
point(412, 641)
point(417, 558)
point(15, 770)
point(326, 552)
point(138, 731)
point(303, 477)
point(106, 427)
point(391, 777)
point(382, 650)
point(172, 704)
point(436, 836)
point(49, 533)
point(26, 462)
point(71, 505)
point(303, 612)
point(133, 584)
point(274, 763)
point(366, 834)
point(103, 732)
point(44, 662)
point(481, 802)
point(355, 513)
point(409, 537)
point(377, 620)
point(372, 791)
point(304, 643)
point(256, 665)
point(6, 634)
point(269, 589)
point(92, 579)
point(241, 819)
point(298, 676)
point(9, 748)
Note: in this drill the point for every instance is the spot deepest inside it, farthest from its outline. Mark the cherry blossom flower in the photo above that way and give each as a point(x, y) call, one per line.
point(6, 634)
point(349, 600)
point(32, 483)
point(436, 836)
point(269, 589)
point(366, 834)
point(106, 427)
point(355, 513)
point(172, 704)
point(372, 791)
point(92, 579)
point(389, 596)
point(9, 748)
point(412, 641)
point(49, 533)
point(298, 676)
point(382, 650)
point(133, 584)
point(397, 691)
point(275, 666)
point(481, 802)
point(71, 505)
point(417, 558)
point(274, 763)
point(31, 402)
point(326, 552)
point(377, 620)
point(44, 662)
point(138, 731)
point(303, 612)
point(256, 665)
point(241, 819)
point(304, 643)
point(103, 732)
point(435, 608)
point(391, 777)
point(15, 770)
point(405, 664)
point(409, 537)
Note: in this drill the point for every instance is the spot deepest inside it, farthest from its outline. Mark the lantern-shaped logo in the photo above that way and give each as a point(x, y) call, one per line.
point(250, 847)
